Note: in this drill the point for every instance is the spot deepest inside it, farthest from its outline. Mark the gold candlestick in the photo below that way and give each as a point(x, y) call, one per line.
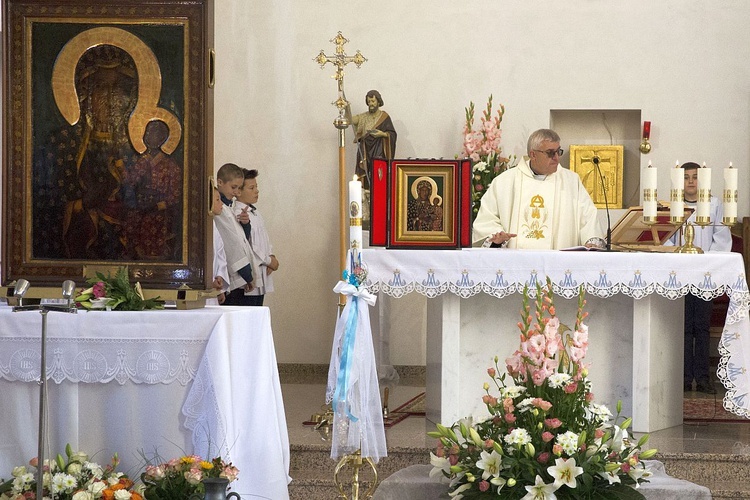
point(688, 247)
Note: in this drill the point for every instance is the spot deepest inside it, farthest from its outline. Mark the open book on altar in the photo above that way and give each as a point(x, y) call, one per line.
point(632, 233)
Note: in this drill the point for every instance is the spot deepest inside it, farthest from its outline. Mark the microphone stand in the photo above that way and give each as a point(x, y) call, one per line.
point(606, 203)
point(68, 289)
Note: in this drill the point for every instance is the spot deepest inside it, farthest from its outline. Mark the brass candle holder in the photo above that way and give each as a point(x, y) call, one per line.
point(688, 247)
point(355, 461)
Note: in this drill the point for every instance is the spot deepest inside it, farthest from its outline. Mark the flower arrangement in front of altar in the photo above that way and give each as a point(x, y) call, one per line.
point(483, 147)
point(180, 478)
point(71, 478)
point(545, 438)
point(115, 293)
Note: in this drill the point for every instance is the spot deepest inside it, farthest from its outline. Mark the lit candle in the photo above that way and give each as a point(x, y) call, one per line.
point(730, 194)
point(703, 207)
point(648, 181)
point(677, 194)
point(355, 218)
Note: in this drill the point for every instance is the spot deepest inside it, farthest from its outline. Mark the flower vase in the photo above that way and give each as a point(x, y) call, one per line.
point(216, 489)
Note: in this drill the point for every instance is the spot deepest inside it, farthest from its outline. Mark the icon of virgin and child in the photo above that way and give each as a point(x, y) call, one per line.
point(108, 185)
point(425, 206)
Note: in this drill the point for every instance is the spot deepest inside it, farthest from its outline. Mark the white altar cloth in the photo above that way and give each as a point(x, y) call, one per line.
point(647, 281)
point(203, 381)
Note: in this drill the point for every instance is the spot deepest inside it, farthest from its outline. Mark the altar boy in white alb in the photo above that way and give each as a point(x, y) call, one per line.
point(712, 238)
point(538, 205)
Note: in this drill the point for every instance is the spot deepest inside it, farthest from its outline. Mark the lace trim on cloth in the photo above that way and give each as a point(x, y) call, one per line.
point(203, 417)
point(102, 360)
point(468, 273)
point(638, 287)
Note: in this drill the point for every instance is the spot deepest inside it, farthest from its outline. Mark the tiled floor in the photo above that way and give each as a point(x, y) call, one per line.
point(303, 400)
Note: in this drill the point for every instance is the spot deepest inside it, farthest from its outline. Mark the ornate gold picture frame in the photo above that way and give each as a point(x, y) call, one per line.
point(106, 150)
point(424, 204)
point(611, 164)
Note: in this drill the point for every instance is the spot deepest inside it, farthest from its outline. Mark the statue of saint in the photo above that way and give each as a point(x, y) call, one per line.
point(374, 135)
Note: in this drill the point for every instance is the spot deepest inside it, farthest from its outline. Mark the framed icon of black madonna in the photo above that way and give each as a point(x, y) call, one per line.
point(107, 139)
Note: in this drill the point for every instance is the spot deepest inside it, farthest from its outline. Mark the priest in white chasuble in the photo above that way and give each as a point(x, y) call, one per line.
point(538, 205)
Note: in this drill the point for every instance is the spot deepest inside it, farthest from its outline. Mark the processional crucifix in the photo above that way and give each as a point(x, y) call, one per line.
point(355, 460)
point(339, 60)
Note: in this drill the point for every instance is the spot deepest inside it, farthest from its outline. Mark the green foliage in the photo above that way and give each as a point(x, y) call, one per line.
point(116, 293)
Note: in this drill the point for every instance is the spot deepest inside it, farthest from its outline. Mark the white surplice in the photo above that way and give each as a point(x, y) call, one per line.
point(549, 213)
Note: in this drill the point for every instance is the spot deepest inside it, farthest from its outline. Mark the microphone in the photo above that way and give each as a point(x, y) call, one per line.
point(596, 161)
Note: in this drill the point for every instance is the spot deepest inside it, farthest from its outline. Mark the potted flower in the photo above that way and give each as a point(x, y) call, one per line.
point(185, 477)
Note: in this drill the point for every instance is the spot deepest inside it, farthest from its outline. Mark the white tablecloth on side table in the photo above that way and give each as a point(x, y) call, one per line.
point(170, 382)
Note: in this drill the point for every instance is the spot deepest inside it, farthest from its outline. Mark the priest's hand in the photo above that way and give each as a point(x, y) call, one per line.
point(501, 238)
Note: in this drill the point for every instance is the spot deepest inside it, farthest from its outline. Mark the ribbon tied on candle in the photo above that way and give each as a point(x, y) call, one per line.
point(352, 291)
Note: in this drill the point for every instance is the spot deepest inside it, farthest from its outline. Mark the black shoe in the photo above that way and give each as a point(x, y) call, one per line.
point(706, 387)
point(688, 387)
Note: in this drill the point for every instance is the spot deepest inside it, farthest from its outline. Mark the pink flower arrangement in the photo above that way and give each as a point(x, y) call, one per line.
point(483, 147)
point(182, 477)
point(544, 433)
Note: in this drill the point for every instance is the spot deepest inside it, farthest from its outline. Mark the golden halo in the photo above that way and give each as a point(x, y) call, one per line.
point(149, 84)
point(432, 182)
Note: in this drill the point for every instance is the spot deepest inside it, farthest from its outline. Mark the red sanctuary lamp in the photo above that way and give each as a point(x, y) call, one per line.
point(645, 145)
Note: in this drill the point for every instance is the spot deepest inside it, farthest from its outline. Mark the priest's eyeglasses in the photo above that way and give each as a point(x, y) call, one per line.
point(552, 152)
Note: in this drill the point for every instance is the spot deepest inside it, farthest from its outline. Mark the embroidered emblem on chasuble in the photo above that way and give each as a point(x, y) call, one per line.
point(538, 202)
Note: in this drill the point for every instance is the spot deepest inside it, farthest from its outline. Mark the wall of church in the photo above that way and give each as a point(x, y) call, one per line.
point(682, 63)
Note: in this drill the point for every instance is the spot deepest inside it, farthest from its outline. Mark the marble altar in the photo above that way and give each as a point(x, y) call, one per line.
point(635, 305)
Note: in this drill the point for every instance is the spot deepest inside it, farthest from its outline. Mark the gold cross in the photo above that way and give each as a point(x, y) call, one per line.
point(340, 60)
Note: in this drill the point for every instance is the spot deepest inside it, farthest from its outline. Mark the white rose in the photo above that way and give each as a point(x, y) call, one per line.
point(19, 471)
point(75, 469)
point(96, 469)
point(97, 487)
point(122, 495)
point(83, 495)
point(79, 457)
